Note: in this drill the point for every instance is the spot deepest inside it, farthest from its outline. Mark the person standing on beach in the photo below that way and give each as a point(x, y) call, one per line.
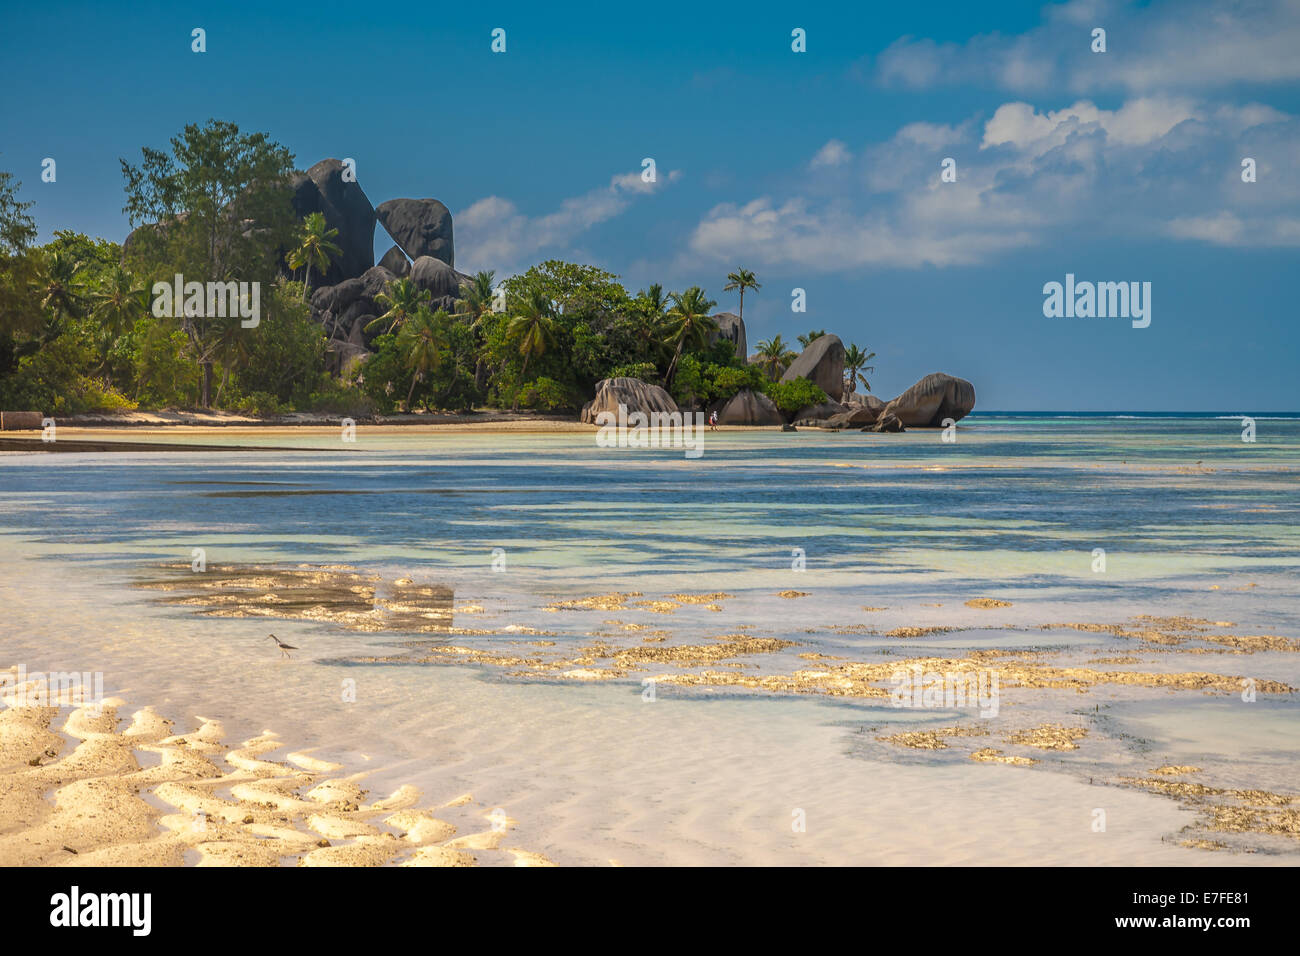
point(713, 420)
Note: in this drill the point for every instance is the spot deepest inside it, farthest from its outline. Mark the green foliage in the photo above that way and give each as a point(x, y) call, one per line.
point(283, 357)
point(544, 394)
point(792, 396)
point(645, 371)
point(53, 380)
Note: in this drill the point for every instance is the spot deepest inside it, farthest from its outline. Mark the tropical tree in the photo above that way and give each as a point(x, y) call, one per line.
point(401, 300)
point(774, 357)
point(476, 300)
point(315, 248)
point(418, 343)
point(58, 285)
point(808, 338)
point(687, 323)
point(741, 279)
point(855, 361)
point(198, 201)
point(533, 328)
point(651, 305)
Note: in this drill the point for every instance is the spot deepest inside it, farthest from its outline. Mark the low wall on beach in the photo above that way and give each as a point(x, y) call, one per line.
point(14, 421)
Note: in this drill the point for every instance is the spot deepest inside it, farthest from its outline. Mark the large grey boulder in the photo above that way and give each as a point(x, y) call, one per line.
point(436, 277)
point(634, 394)
point(822, 363)
point(748, 407)
point(886, 423)
point(934, 398)
point(813, 414)
point(324, 189)
point(422, 227)
point(853, 416)
point(732, 328)
point(395, 261)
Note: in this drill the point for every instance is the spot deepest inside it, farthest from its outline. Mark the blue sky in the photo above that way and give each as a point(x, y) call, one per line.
point(817, 170)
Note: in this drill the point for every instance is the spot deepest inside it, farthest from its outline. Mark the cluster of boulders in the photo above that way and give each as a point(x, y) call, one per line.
point(343, 299)
point(927, 404)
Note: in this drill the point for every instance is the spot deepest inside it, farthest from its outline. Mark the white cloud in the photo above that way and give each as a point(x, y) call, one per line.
point(834, 153)
point(1166, 45)
point(493, 233)
point(1155, 167)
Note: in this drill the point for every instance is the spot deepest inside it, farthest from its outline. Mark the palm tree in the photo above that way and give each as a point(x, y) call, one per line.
point(741, 279)
point(809, 338)
point(316, 249)
point(59, 286)
point(402, 299)
point(774, 357)
point(651, 307)
point(476, 299)
point(417, 342)
point(118, 300)
point(687, 323)
point(534, 328)
point(855, 360)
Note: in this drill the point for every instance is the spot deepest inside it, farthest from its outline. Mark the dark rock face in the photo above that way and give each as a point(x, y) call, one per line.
point(813, 414)
point(436, 277)
point(342, 357)
point(865, 399)
point(345, 207)
point(854, 416)
point(886, 423)
point(934, 398)
point(375, 280)
point(395, 261)
point(421, 227)
point(747, 407)
point(732, 328)
point(634, 394)
point(822, 363)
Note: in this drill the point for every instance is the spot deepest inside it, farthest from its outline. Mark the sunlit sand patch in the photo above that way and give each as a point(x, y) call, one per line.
point(1050, 737)
point(918, 631)
point(990, 755)
point(875, 608)
point(932, 739)
point(708, 599)
point(793, 594)
point(332, 594)
point(614, 601)
point(987, 603)
point(1230, 810)
point(658, 607)
point(1176, 770)
point(86, 806)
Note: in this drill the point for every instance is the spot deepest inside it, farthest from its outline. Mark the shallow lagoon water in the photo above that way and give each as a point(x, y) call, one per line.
point(1193, 522)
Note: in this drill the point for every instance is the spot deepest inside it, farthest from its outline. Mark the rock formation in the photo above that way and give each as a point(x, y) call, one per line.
point(887, 422)
point(747, 407)
point(421, 227)
point(934, 398)
point(822, 363)
point(634, 394)
point(325, 189)
point(814, 414)
point(395, 261)
point(854, 416)
point(732, 328)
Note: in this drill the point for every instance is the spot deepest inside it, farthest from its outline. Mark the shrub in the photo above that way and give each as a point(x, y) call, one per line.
point(792, 396)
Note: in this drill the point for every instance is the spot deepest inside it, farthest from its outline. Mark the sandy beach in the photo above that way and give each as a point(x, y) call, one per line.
point(100, 785)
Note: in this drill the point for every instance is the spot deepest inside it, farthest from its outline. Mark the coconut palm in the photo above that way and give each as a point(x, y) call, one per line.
point(741, 279)
point(401, 299)
point(418, 344)
point(316, 248)
point(652, 305)
point(533, 327)
point(476, 299)
point(118, 300)
point(58, 285)
point(687, 323)
point(774, 357)
point(855, 361)
point(808, 338)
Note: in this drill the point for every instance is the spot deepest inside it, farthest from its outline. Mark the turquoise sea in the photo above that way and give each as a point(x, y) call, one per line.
point(876, 532)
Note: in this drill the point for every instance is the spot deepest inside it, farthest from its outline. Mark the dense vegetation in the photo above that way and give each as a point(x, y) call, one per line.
point(77, 331)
